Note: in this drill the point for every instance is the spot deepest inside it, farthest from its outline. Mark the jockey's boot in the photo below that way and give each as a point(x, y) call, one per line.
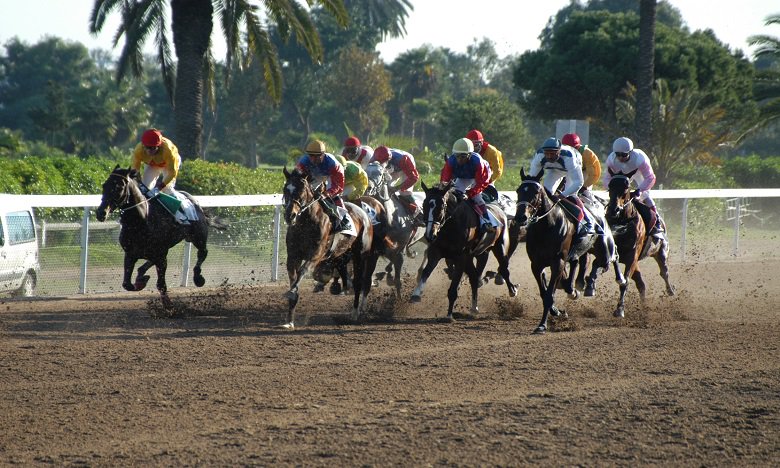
point(658, 228)
point(485, 225)
point(579, 244)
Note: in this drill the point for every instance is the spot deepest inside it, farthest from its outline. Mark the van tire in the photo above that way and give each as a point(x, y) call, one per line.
point(27, 289)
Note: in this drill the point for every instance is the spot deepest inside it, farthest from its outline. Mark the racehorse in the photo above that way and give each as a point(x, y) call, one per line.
point(400, 231)
point(452, 231)
point(549, 236)
point(633, 243)
point(311, 240)
point(148, 230)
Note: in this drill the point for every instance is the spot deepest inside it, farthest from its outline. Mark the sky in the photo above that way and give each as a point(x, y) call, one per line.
point(435, 22)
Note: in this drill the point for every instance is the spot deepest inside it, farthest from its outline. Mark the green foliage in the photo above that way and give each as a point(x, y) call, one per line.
point(754, 171)
point(205, 178)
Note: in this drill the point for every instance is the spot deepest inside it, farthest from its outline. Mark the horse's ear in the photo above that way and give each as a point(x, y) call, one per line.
point(631, 174)
point(424, 187)
point(609, 169)
point(286, 172)
point(522, 173)
point(117, 167)
point(539, 176)
point(449, 185)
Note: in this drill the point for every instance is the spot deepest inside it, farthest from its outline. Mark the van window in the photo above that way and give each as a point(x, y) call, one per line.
point(20, 227)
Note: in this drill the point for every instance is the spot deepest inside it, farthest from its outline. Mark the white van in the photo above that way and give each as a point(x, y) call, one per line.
point(19, 267)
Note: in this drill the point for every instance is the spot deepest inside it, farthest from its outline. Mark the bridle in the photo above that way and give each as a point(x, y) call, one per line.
point(302, 207)
point(620, 208)
point(536, 203)
point(125, 197)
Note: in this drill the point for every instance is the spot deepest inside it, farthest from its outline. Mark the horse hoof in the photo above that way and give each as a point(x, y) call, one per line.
point(574, 294)
point(499, 280)
point(671, 291)
point(129, 286)
point(335, 289)
point(287, 326)
point(512, 290)
point(199, 281)
point(292, 296)
point(319, 287)
point(579, 285)
point(619, 313)
point(447, 319)
point(540, 330)
point(590, 292)
point(139, 286)
point(415, 299)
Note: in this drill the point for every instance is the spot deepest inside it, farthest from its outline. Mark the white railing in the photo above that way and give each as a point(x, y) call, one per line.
point(88, 202)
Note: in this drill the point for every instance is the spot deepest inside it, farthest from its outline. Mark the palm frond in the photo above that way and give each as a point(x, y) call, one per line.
point(259, 42)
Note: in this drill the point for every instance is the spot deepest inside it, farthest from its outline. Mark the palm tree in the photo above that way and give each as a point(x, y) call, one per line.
point(767, 88)
point(645, 73)
point(192, 22)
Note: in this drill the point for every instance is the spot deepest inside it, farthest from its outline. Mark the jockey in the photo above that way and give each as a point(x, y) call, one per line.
point(355, 179)
point(559, 161)
point(403, 171)
point(472, 175)
point(320, 165)
point(591, 167)
point(492, 155)
point(354, 151)
point(625, 158)
point(161, 161)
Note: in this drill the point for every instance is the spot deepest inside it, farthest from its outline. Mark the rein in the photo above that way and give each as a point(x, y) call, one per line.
point(535, 219)
point(120, 209)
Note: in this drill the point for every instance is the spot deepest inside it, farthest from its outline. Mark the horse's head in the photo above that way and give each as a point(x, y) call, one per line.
point(297, 194)
point(116, 191)
point(435, 208)
point(377, 180)
point(619, 193)
point(531, 196)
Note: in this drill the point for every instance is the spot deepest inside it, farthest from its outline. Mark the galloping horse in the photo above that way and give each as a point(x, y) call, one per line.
point(452, 231)
point(630, 231)
point(548, 239)
point(310, 240)
point(148, 231)
point(401, 232)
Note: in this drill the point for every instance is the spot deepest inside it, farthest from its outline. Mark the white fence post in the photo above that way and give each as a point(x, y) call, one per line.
point(737, 218)
point(684, 229)
point(84, 251)
point(277, 234)
point(185, 264)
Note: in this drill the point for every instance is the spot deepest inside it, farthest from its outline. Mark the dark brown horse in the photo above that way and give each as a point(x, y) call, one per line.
point(633, 243)
point(148, 231)
point(452, 231)
point(311, 240)
point(549, 236)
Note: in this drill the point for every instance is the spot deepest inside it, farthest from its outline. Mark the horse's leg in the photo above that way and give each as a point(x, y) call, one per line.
point(398, 263)
point(640, 283)
point(503, 269)
point(568, 281)
point(475, 278)
point(361, 283)
point(162, 266)
point(545, 292)
point(579, 283)
point(141, 278)
point(429, 263)
point(199, 239)
point(620, 310)
point(662, 258)
point(482, 260)
point(296, 268)
point(128, 273)
point(600, 262)
point(452, 292)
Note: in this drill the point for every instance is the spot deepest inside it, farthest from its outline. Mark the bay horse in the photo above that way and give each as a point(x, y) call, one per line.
point(310, 240)
point(148, 231)
point(549, 235)
point(633, 243)
point(452, 231)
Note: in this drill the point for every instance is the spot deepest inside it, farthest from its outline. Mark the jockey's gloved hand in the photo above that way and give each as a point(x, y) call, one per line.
point(460, 195)
point(154, 192)
point(636, 193)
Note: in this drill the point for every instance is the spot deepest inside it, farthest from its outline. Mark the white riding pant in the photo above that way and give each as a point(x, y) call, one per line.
point(151, 173)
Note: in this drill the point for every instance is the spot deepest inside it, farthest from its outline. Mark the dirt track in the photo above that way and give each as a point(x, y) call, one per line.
point(689, 380)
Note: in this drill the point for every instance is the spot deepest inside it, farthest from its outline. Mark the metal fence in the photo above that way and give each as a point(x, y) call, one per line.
point(78, 254)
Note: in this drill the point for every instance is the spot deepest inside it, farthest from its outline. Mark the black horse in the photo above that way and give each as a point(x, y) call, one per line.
point(148, 230)
point(311, 240)
point(633, 243)
point(549, 236)
point(452, 230)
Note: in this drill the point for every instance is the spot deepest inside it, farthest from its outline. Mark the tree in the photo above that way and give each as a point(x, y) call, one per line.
point(645, 71)
point(360, 87)
point(768, 80)
point(191, 25)
point(686, 128)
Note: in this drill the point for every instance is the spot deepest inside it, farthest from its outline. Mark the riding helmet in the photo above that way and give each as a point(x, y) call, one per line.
point(551, 143)
point(623, 145)
point(463, 146)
